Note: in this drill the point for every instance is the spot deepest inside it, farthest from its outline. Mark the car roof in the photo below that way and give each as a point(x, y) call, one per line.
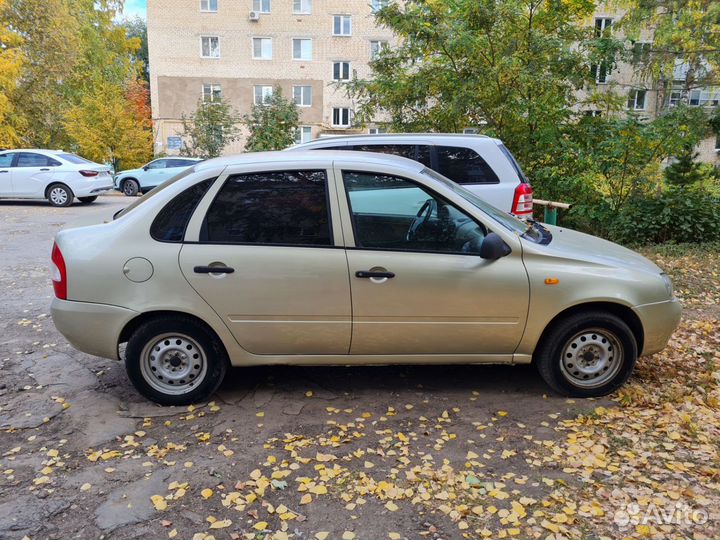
point(383, 137)
point(37, 151)
point(329, 156)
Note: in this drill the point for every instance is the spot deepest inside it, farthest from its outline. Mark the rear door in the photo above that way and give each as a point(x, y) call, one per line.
point(265, 259)
point(32, 174)
point(6, 174)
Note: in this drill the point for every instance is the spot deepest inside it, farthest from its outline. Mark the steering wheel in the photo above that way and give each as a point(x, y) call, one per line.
point(422, 217)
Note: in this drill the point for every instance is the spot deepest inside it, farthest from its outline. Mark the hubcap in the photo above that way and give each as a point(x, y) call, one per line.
point(591, 358)
point(58, 195)
point(129, 188)
point(173, 363)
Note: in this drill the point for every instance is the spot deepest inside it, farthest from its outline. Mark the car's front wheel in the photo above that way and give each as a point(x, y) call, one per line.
point(87, 200)
point(175, 360)
point(59, 195)
point(587, 354)
point(130, 187)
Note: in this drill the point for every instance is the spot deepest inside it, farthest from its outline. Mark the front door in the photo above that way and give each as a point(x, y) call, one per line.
point(32, 174)
point(418, 284)
point(155, 174)
point(267, 263)
point(6, 173)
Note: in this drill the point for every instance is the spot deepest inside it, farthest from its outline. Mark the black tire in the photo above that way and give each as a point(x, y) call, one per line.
point(88, 200)
point(59, 195)
point(148, 334)
point(555, 353)
point(130, 187)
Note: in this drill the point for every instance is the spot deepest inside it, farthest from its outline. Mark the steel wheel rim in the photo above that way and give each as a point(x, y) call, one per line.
point(129, 190)
point(58, 195)
point(591, 358)
point(173, 363)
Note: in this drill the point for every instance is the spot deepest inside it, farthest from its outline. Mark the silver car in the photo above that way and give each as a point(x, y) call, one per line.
point(348, 258)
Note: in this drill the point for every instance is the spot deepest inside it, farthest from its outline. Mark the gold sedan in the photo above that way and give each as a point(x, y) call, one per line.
point(348, 258)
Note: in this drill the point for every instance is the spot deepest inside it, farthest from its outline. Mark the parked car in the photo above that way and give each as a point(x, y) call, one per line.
point(481, 164)
point(151, 175)
point(54, 175)
point(348, 258)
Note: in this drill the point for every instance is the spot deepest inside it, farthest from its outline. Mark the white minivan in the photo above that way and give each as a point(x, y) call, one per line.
point(480, 164)
point(54, 175)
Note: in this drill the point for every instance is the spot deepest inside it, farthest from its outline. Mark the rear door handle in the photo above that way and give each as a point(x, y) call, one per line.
point(44, 169)
point(3, 172)
point(369, 274)
point(213, 270)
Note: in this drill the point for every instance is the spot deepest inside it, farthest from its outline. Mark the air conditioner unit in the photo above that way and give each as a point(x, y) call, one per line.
point(254, 16)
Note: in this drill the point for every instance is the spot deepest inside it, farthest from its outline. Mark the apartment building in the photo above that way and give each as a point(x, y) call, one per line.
point(242, 49)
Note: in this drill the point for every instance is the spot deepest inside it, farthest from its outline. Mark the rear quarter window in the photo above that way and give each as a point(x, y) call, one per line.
point(464, 166)
point(172, 221)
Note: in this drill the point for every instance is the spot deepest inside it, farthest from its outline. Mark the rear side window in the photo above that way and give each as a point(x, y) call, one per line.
point(464, 166)
point(172, 221)
point(6, 159)
point(30, 159)
point(283, 208)
point(180, 163)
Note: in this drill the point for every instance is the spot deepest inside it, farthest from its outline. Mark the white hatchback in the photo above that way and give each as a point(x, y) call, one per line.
point(54, 175)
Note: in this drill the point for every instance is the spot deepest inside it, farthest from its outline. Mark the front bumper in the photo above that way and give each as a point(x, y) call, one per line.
point(659, 321)
point(91, 328)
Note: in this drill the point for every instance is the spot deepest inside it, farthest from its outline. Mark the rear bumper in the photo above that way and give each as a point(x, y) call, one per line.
point(91, 328)
point(93, 187)
point(659, 321)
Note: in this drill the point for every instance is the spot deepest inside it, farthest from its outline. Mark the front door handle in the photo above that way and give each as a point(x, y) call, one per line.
point(213, 270)
point(3, 172)
point(44, 169)
point(370, 274)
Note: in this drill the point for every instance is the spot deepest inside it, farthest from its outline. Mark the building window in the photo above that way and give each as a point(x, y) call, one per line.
point(636, 100)
point(601, 73)
point(210, 47)
point(592, 113)
point(471, 131)
point(377, 130)
point(705, 97)
point(641, 52)
point(303, 134)
point(341, 117)
point(341, 71)
point(262, 6)
point(603, 29)
point(302, 96)
point(302, 49)
point(342, 25)
point(262, 48)
point(676, 98)
point(377, 5)
point(376, 47)
point(174, 143)
point(262, 94)
point(603, 26)
point(211, 92)
point(302, 7)
point(208, 5)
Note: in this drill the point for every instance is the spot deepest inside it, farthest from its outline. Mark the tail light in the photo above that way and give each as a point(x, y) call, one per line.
point(89, 173)
point(59, 273)
point(522, 205)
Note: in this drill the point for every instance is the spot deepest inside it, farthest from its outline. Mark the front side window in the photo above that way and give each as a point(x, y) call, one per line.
point(302, 7)
point(376, 47)
point(393, 213)
point(262, 95)
point(341, 117)
point(302, 49)
point(302, 96)
point(342, 25)
point(29, 159)
point(303, 134)
point(6, 159)
point(262, 48)
point(283, 207)
point(464, 166)
point(208, 5)
point(172, 221)
point(341, 71)
point(636, 100)
point(211, 92)
point(263, 6)
point(210, 46)
point(158, 164)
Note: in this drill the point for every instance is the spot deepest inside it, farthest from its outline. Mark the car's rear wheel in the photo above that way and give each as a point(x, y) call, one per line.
point(175, 360)
point(130, 187)
point(59, 195)
point(587, 354)
point(88, 200)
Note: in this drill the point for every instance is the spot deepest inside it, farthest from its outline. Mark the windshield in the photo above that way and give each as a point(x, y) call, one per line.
point(154, 192)
point(510, 222)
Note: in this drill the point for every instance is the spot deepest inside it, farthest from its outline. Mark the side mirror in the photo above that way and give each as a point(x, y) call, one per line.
point(493, 247)
point(146, 167)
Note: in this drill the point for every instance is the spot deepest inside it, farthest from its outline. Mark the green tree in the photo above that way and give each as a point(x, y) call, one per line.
point(685, 170)
point(272, 124)
point(512, 66)
point(136, 29)
point(208, 130)
point(11, 62)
